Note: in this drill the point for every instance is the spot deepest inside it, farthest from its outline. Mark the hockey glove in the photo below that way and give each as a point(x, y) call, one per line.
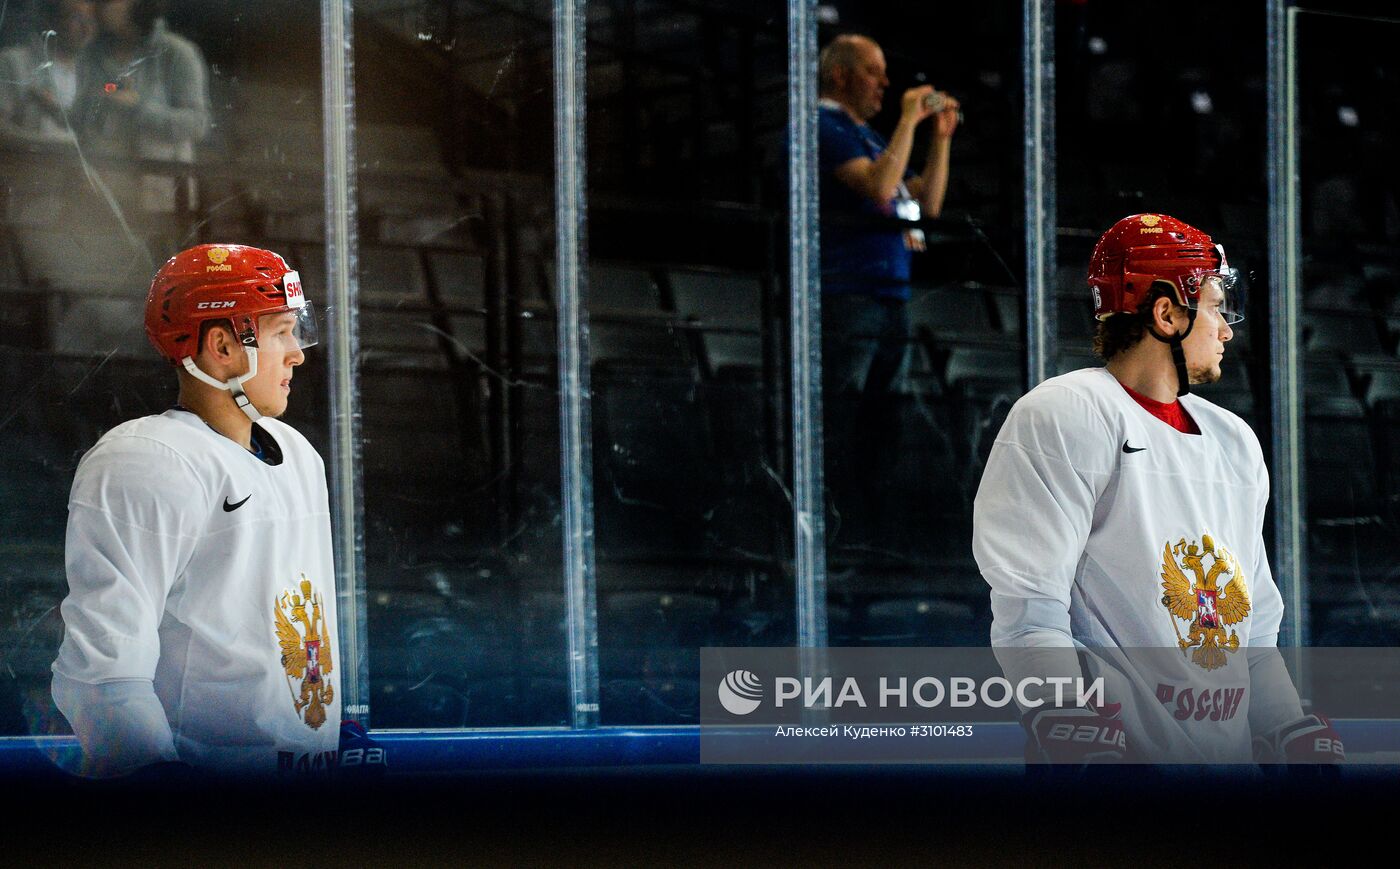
point(1078, 735)
point(360, 758)
point(1310, 739)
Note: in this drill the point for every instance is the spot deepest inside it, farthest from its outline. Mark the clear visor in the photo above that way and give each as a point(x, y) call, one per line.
point(289, 331)
point(1218, 290)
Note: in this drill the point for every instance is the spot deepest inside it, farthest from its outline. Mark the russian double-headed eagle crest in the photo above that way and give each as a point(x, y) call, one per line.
point(306, 651)
point(1211, 598)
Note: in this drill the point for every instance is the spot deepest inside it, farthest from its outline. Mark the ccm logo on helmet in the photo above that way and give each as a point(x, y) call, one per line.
point(213, 306)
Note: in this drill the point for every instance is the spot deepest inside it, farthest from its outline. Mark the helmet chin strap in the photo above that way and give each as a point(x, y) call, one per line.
point(233, 385)
point(1183, 380)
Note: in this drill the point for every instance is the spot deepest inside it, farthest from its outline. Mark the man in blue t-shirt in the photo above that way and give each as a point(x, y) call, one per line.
point(866, 185)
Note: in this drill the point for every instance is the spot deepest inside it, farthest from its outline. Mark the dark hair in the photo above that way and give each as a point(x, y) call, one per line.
point(1122, 331)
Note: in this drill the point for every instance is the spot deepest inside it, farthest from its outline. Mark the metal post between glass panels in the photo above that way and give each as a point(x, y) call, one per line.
point(575, 422)
point(809, 528)
point(1285, 338)
point(1038, 69)
point(342, 288)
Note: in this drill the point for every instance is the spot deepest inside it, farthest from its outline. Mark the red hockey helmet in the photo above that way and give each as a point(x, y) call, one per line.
point(1142, 249)
point(232, 282)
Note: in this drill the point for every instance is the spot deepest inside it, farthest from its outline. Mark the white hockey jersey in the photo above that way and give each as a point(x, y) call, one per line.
point(200, 622)
point(1099, 526)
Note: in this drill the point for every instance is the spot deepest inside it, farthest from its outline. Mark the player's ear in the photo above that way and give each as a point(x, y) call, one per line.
point(217, 342)
point(1162, 312)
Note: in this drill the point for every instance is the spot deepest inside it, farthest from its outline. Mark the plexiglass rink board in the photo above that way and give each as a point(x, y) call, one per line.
point(459, 367)
point(914, 388)
point(1349, 286)
point(687, 301)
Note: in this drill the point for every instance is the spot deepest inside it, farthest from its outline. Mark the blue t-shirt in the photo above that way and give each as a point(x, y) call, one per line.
point(871, 260)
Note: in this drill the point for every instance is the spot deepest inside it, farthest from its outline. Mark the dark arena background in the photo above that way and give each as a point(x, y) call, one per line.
point(565, 392)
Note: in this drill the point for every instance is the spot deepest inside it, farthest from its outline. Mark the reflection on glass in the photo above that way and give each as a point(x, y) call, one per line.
point(1351, 320)
point(125, 136)
point(920, 192)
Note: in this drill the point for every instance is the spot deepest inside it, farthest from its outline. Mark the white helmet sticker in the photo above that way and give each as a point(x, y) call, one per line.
point(291, 282)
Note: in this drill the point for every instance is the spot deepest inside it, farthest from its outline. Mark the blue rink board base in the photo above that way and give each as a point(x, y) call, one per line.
point(1370, 749)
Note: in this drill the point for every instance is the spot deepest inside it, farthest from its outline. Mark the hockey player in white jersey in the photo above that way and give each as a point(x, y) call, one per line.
point(200, 622)
point(1121, 516)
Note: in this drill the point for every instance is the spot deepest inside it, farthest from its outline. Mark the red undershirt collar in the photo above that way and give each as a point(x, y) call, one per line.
point(1171, 412)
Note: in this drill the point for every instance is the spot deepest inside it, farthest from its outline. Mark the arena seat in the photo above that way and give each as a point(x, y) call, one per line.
point(988, 369)
point(622, 290)
point(1339, 331)
point(1331, 285)
point(404, 150)
point(460, 277)
point(391, 276)
point(276, 124)
point(1008, 304)
point(638, 348)
point(1382, 391)
point(1340, 467)
point(78, 260)
point(728, 309)
point(953, 314)
point(1327, 390)
point(412, 339)
point(278, 139)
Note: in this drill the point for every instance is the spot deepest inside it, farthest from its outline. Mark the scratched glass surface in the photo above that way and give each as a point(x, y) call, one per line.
point(687, 302)
point(459, 373)
point(902, 462)
point(1350, 288)
point(96, 194)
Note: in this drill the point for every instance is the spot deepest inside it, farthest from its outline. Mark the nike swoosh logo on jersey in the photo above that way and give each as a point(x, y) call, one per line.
point(229, 508)
point(1128, 449)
